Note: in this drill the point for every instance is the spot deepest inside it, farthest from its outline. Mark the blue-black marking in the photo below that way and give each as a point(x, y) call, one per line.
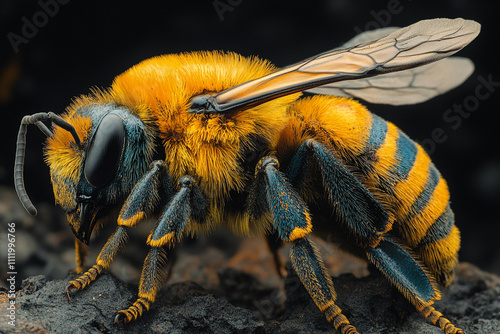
point(308, 264)
point(440, 229)
point(400, 267)
point(175, 216)
point(378, 132)
point(406, 154)
point(425, 196)
point(286, 207)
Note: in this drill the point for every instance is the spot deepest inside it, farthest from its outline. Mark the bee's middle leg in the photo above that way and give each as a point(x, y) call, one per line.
point(314, 276)
point(292, 223)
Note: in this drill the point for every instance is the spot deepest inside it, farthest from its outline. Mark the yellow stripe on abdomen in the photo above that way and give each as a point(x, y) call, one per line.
point(408, 190)
point(424, 212)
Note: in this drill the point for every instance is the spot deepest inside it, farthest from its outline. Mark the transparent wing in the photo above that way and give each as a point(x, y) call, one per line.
point(368, 36)
point(418, 44)
point(410, 86)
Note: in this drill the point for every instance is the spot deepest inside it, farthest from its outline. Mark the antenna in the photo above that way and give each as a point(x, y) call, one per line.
point(37, 119)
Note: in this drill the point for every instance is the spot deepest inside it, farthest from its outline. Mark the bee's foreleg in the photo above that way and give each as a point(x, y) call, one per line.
point(142, 201)
point(292, 223)
point(115, 242)
point(152, 192)
point(187, 204)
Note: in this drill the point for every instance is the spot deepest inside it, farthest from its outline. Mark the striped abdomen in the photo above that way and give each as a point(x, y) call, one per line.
point(396, 170)
point(408, 184)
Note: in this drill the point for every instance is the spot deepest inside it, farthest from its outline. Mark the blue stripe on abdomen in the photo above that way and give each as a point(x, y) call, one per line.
point(378, 132)
point(440, 229)
point(406, 154)
point(426, 194)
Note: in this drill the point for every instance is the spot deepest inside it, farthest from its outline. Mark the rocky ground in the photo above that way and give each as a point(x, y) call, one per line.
point(472, 303)
point(219, 284)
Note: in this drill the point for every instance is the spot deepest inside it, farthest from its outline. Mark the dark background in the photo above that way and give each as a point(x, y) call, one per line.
point(87, 44)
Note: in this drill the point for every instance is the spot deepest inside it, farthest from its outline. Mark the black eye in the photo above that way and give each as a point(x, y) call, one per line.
point(105, 151)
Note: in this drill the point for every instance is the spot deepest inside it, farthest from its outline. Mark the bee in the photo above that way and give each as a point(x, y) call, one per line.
point(203, 140)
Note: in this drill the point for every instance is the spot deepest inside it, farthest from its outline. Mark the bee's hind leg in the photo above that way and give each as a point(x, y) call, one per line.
point(366, 220)
point(408, 276)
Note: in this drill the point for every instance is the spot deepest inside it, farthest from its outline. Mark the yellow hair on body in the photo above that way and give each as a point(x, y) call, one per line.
point(441, 256)
point(416, 228)
point(407, 191)
point(207, 147)
point(338, 122)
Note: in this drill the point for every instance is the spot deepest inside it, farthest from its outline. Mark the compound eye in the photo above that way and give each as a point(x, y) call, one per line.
point(105, 151)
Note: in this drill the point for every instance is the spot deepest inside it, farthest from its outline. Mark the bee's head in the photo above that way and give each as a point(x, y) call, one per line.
point(95, 166)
